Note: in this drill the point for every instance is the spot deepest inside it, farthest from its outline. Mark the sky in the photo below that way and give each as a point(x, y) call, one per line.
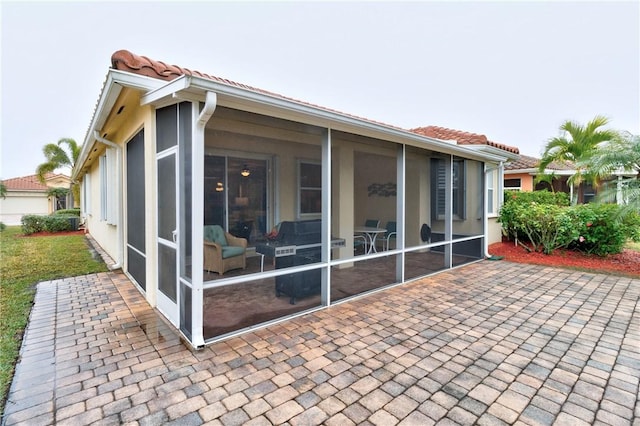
point(513, 71)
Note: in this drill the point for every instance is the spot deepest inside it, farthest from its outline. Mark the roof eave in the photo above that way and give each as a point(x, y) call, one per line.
point(116, 80)
point(500, 154)
point(194, 88)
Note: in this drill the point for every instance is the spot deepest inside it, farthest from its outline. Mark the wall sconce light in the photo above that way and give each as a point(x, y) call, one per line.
point(219, 187)
point(245, 171)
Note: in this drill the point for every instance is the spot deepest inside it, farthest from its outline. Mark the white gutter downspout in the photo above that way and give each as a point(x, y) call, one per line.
point(485, 218)
point(197, 203)
point(119, 199)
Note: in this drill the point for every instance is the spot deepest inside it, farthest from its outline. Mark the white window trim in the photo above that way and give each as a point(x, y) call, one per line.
point(301, 188)
point(108, 205)
point(492, 201)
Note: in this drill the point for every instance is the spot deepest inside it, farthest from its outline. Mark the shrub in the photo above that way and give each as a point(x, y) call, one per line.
point(540, 197)
point(546, 226)
point(68, 212)
point(57, 223)
point(599, 228)
point(32, 223)
point(513, 215)
point(2, 226)
point(631, 224)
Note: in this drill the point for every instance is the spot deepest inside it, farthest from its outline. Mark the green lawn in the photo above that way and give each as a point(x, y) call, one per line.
point(632, 246)
point(25, 261)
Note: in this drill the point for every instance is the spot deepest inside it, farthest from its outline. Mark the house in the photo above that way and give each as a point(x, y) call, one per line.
point(521, 174)
point(27, 195)
point(231, 207)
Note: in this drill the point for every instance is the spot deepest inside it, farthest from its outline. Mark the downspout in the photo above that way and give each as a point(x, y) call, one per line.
point(118, 185)
point(485, 218)
point(197, 203)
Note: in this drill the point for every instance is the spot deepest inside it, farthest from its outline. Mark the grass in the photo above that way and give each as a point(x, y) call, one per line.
point(25, 261)
point(632, 246)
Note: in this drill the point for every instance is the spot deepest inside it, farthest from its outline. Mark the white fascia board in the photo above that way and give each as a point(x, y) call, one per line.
point(499, 154)
point(111, 89)
point(194, 87)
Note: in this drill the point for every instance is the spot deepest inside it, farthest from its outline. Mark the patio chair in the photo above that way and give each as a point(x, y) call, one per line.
point(222, 251)
point(390, 234)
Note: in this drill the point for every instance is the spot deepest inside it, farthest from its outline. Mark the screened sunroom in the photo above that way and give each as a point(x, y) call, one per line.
point(231, 208)
point(324, 210)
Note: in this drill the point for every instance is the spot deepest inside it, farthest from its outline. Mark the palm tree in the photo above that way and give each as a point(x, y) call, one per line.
point(59, 157)
point(577, 144)
point(622, 154)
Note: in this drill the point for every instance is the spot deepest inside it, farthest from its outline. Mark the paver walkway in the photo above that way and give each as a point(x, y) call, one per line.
point(488, 343)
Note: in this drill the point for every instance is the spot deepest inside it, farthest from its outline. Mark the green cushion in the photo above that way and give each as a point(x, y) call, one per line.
point(231, 251)
point(215, 233)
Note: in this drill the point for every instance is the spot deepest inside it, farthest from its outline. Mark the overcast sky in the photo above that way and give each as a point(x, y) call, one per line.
point(513, 71)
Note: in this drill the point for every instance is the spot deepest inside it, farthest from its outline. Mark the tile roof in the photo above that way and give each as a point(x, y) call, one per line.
point(29, 183)
point(124, 60)
point(463, 138)
point(527, 162)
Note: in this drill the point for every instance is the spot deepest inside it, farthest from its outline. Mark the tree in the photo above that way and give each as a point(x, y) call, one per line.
point(63, 154)
point(3, 190)
point(577, 144)
point(622, 154)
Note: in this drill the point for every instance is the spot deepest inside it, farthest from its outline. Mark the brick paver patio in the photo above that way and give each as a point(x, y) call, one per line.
point(488, 343)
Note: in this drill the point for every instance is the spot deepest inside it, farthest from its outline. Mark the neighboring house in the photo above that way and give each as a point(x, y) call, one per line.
point(521, 174)
point(27, 195)
point(174, 158)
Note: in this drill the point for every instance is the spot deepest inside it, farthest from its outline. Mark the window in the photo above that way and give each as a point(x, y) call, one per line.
point(439, 174)
point(491, 175)
point(310, 188)
point(512, 184)
point(107, 187)
point(86, 195)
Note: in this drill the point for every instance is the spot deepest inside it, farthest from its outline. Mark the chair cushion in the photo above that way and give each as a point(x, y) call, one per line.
point(215, 233)
point(231, 251)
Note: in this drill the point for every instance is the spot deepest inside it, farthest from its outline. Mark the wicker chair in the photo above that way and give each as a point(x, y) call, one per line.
point(222, 251)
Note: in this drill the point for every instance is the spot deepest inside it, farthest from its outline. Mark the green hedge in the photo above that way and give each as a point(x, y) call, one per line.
point(68, 212)
point(54, 223)
point(540, 197)
point(548, 223)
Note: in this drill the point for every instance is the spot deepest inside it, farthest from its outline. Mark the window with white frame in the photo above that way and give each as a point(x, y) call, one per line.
point(86, 195)
point(491, 201)
point(513, 184)
point(309, 188)
point(438, 193)
point(108, 207)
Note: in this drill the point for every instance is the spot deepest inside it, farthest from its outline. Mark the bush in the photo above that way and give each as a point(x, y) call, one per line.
point(546, 226)
point(514, 218)
point(32, 223)
point(540, 197)
point(68, 212)
point(54, 223)
point(57, 223)
point(548, 222)
point(631, 224)
point(599, 228)
point(2, 226)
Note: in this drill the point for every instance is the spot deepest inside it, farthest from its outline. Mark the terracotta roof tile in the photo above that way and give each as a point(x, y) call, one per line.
point(124, 60)
point(463, 138)
point(527, 162)
point(28, 183)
